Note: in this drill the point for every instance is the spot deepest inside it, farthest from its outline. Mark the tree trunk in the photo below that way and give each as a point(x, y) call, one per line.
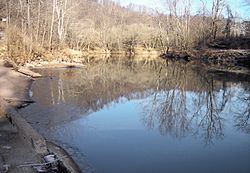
point(52, 23)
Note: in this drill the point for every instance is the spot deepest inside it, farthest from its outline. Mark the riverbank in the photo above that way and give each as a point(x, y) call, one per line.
point(219, 53)
point(217, 57)
point(14, 86)
point(13, 92)
point(13, 149)
point(21, 146)
point(231, 60)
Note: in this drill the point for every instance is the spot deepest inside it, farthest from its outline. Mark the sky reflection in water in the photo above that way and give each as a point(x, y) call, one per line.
point(143, 117)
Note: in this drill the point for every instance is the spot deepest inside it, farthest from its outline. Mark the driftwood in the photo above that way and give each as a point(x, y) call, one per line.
point(28, 72)
point(42, 164)
point(23, 70)
point(11, 100)
point(51, 164)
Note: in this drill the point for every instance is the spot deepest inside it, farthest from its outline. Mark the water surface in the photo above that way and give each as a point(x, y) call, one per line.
point(131, 116)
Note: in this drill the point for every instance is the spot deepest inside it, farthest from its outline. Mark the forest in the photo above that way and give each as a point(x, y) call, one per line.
point(35, 27)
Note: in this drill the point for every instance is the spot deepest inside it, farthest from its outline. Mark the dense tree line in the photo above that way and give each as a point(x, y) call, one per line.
point(35, 26)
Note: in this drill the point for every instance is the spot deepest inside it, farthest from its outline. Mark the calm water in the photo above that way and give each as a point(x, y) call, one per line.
point(128, 116)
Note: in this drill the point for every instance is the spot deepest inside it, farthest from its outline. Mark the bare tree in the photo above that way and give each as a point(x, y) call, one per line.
point(229, 21)
point(103, 26)
point(217, 8)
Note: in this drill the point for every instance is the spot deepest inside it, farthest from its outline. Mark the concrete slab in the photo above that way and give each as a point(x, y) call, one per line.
point(14, 151)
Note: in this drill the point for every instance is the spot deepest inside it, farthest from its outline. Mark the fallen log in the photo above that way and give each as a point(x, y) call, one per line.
point(15, 100)
point(28, 72)
point(20, 69)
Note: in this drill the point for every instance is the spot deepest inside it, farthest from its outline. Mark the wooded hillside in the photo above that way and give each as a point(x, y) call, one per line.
point(37, 26)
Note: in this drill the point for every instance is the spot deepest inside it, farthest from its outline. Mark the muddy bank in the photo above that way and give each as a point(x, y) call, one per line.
point(83, 56)
point(13, 84)
point(21, 139)
point(227, 57)
point(221, 57)
point(14, 87)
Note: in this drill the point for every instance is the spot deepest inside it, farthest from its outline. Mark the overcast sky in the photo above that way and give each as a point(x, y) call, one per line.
point(237, 5)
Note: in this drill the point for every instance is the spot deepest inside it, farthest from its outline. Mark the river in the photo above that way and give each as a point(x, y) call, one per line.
point(122, 115)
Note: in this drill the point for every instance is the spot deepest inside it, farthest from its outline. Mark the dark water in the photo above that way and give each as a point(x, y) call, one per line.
point(127, 116)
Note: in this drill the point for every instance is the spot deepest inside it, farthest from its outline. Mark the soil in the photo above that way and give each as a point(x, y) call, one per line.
point(13, 84)
point(13, 149)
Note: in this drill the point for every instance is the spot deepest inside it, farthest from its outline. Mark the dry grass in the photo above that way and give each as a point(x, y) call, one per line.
point(21, 49)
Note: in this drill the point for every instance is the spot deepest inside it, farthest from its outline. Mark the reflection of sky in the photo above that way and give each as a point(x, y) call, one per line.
point(127, 114)
point(237, 5)
point(116, 117)
point(115, 140)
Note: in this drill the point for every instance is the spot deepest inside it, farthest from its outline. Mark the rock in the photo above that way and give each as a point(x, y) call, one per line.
point(29, 65)
point(9, 63)
point(6, 168)
point(7, 147)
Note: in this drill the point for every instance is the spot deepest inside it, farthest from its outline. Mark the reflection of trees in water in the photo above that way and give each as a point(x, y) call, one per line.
point(168, 105)
point(177, 110)
point(242, 117)
point(167, 112)
point(177, 99)
point(102, 83)
point(208, 112)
